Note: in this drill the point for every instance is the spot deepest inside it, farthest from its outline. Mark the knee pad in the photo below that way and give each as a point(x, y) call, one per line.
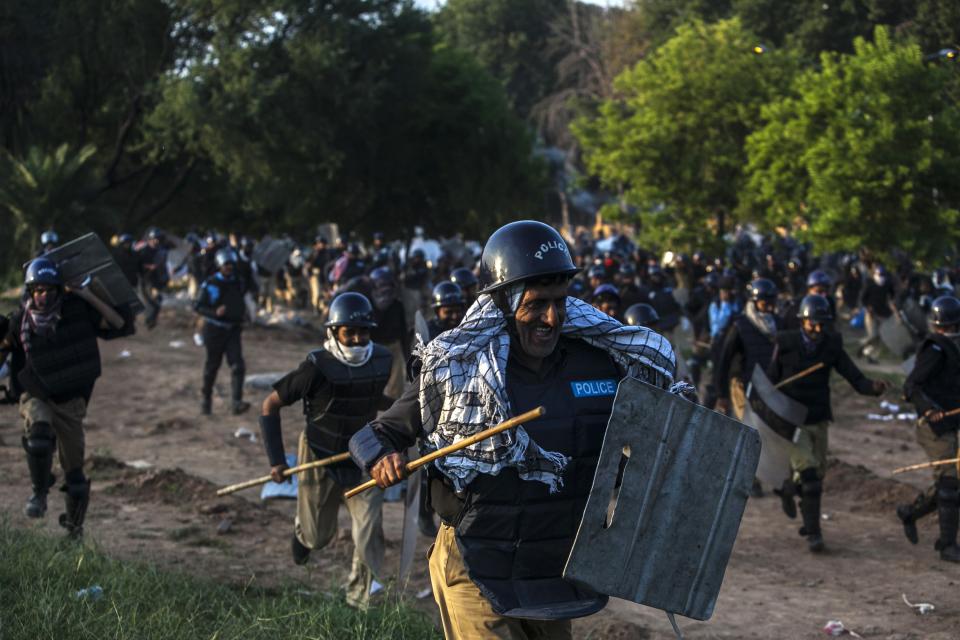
point(40, 441)
point(810, 483)
point(948, 490)
point(77, 486)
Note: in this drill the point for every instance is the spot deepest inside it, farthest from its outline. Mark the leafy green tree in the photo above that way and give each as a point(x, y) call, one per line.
point(672, 143)
point(865, 152)
point(42, 191)
point(510, 38)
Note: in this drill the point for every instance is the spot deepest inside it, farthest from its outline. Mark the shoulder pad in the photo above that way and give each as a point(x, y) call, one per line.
point(314, 356)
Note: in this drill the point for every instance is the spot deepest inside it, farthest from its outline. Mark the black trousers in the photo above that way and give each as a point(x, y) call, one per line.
point(220, 341)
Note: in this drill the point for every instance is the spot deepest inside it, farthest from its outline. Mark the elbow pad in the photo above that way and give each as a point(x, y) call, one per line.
point(272, 439)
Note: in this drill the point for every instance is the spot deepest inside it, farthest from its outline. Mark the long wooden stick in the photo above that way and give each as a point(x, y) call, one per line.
point(797, 376)
point(340, 457)
point(457, 446)
point(927, 465)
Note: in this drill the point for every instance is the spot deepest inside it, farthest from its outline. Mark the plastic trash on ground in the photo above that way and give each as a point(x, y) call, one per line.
point(889, 406)
point(922, 608)
point(139, 464)
point(243, 432)
point(283, 490)
point(836, 628)
point(176, 344)
point(94, 592)
point(124, 354)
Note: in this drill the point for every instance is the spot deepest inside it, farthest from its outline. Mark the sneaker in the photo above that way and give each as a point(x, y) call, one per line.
point(299, 552)
point(36, 506)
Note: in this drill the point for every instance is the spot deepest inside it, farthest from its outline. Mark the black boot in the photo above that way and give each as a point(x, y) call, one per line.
point(299, 552)
point(948, 497)
point(925, 503)
point(787, 494)
point(77, 498)
point(811, 491)
point(756, 491)
point(236, 389)
point(206, 405)
point(39, 445)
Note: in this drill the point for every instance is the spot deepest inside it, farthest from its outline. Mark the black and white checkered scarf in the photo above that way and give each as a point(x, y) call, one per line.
point(463, 387)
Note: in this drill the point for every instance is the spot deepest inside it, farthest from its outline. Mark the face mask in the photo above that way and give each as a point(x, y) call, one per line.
point(355, 355)
point(351, 356)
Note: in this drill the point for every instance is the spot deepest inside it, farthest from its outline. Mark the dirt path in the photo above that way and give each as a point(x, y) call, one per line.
point(146, 408)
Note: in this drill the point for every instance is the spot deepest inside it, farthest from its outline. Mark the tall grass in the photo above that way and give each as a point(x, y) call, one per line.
point(40, 575)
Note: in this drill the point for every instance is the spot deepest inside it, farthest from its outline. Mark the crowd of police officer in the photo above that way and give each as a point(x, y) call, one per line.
point(765, 302)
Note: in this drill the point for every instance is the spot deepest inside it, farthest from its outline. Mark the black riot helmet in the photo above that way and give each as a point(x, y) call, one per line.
point(42, 271)
point(523, 250)
point(763, 289)
point(447, 294)
point(225, 256)
point(945, 311)
point(350, 309)
point(641, 315)
point(818, 278)
point(463, 278)
point(816, 308)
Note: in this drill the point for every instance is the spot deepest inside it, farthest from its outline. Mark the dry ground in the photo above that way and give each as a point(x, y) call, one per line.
point(146, 408)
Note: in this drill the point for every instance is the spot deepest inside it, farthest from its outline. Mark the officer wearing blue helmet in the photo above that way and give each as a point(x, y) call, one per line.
point(53, 340)
point(220, 300)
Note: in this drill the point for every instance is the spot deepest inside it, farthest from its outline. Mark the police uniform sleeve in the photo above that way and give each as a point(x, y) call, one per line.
point(396, 429)
point(298, 384)
point(927, 366)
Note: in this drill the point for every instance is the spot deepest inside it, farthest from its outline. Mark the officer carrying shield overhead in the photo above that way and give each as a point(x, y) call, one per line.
point(341, 386)
point(934, 388)
point(510, 505)
point(54, 336)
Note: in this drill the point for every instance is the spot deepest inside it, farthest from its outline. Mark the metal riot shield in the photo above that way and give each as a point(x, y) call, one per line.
point(774, 465)
point(272, 253)
point(88, 256)
point(896, 336)
point(686, 476)
point(778, 411)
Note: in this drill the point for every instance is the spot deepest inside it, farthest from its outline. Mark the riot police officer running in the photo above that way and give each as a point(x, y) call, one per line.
point(934, 388)
point(54, 337)
point(221, 303)
point(341, 386)
point(748, 343)
point(508, 523)
point(794, 352)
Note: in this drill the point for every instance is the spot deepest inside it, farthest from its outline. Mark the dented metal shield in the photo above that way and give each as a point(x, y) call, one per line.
point(778, 411)
point(87, 256)
point(272, 253)
point(896, 336)
point(686, 475)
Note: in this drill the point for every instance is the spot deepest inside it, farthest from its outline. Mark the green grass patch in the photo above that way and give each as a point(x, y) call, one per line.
point(40, 575)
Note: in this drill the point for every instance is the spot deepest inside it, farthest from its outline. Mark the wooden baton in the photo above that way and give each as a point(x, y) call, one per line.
point(927, 465)
point(797, 376)
point(948, 414)
point(340, 457)
point(457, 446)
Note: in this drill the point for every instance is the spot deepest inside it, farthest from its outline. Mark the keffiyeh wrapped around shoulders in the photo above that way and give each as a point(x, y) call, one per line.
point(463, 387)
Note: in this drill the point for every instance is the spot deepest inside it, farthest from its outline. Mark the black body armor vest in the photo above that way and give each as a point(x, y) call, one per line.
point(66, 364)
point(944, 388)
point(344, 405)
point(514, 534)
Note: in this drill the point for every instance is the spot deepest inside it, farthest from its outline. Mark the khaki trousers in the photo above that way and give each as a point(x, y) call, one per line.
point(938, 448)
point(398, 371)
point(738, 398)
point(465, 613)
point(318, 501)
point(66, 419)
point(810, 450)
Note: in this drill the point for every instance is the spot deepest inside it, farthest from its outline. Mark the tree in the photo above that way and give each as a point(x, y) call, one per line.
point(43, 191)
point(510, 38)
point(672, 143)
point(865, 152)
